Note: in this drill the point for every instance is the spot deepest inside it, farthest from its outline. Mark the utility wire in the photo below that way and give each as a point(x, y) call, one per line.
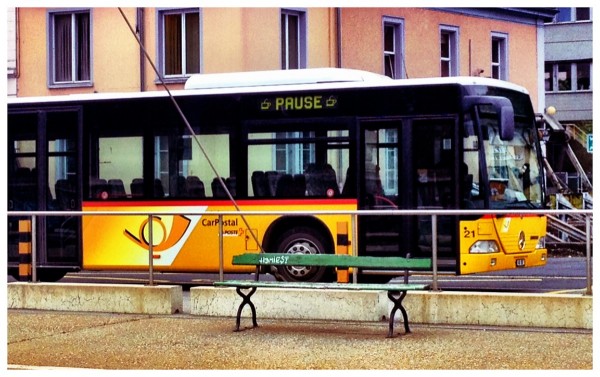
point(189, 127)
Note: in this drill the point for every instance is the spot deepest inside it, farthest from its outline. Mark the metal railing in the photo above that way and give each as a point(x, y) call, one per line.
point(354, 214)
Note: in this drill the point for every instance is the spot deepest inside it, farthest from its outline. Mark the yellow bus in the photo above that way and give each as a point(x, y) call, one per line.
point(301, 140)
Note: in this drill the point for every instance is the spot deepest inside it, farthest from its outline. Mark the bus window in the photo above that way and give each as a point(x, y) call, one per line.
point(297, 163)
point(120, 168)
point(182, 171)
point(194, 165)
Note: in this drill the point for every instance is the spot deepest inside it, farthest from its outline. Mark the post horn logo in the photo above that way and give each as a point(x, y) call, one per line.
point(161, 238)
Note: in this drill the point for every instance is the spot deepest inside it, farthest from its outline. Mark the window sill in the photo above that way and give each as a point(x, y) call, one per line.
point(66, 85)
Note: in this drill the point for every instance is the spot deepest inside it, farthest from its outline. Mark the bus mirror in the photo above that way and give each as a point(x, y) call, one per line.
point(502, 107)
point(507, 122)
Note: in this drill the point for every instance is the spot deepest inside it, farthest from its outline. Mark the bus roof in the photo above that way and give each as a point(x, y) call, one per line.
point(281, 77)
point(276, 81)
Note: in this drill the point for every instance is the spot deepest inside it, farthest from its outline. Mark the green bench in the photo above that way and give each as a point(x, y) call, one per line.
point(395, 291)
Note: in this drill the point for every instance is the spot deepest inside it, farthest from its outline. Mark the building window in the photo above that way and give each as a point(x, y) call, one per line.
point(583, 14)
point(568, 76)
point(293, 39)
point(179, 45)
point(500, 56)
point(448, 51)
point(392, 48)
point(573, 14)
point(564, 77)
point(584, 74)
point(70, 48)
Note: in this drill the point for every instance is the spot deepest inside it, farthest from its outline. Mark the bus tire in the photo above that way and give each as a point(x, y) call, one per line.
point(301, 241)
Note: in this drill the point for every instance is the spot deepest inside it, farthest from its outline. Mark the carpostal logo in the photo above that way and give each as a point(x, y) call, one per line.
point(167, 241)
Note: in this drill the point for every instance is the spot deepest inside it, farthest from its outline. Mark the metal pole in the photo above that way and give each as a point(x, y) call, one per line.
point(33, 249)
point(588, 255)
point(353, 222)
point(221, 277)
point(150, 251)
point(434, 250)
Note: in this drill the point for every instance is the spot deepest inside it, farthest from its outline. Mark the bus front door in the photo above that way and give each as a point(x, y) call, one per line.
point(43, 172)
point(408, 164)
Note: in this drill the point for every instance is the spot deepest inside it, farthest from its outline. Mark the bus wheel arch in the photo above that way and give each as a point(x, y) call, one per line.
point(300, 235)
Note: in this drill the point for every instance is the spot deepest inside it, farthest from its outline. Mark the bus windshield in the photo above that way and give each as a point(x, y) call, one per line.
point(511, 166)
point(512, 169)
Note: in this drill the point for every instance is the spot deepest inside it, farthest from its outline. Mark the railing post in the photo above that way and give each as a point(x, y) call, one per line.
point(150, 251)
point(221, 258)
point(434, 250)
point(588, 255)
point(33, 248)
point(353, 245)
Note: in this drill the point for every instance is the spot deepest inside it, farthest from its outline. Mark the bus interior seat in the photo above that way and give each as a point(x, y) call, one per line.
point(285, 186)
point(116, 188)
point(259, 184)
point(179, 187)
point(195, 187)
point(299, 185)
point(217, 188)
point(231, 184)
point(159, 191)
point(272, 177)
point(98, 188)
point(137, 187)
point(350, 183)
point(320, 179)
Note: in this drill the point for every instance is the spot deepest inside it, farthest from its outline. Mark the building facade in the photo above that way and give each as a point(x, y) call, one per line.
point(82, 50)
point(568, 80)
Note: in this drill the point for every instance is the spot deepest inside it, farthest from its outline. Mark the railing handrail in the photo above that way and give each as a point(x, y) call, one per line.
point(401, 212)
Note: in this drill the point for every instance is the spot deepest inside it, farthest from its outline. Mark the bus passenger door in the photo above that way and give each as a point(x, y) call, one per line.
point(379, 189)
point(43, 171)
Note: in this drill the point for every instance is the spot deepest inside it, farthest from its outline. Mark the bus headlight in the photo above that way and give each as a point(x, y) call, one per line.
point(484, 247)
point(541, 244)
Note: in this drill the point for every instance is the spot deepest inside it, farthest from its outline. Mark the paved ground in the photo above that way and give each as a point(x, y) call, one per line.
point(111, 341)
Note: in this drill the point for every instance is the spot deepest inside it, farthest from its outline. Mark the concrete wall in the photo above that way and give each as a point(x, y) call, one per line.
point(112, 298)
point(451, 308)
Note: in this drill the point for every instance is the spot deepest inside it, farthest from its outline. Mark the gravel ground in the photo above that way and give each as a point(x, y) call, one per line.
point(116, 341)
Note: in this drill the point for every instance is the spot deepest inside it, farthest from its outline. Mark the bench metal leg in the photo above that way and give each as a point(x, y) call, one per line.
point(397, 297)
point(245, 300)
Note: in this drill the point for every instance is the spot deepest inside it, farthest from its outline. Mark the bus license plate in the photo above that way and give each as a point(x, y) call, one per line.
point(520, 262)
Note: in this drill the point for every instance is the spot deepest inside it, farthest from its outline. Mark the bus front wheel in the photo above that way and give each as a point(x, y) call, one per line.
point(301, 241)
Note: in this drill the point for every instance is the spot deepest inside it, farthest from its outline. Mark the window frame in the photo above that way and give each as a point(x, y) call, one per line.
point(161, 44)
point(453, 50)
point(51, 58)
point(397, 24)
point(502, 63)
point(302, 38)
point(573, 76)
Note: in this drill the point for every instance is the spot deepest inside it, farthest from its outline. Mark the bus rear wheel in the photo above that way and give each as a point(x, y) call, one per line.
point(301, 241)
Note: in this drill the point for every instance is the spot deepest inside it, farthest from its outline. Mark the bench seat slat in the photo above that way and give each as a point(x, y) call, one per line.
point(331, 260)
point(347, 286)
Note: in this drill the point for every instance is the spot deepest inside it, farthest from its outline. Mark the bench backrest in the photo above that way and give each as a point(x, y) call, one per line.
point(332, 260)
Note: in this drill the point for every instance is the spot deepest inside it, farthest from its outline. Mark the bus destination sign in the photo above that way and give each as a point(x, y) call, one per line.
point(296, 103)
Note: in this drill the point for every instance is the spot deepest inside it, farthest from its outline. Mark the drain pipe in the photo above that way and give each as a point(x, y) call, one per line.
point(338, 27)
point(140, 31)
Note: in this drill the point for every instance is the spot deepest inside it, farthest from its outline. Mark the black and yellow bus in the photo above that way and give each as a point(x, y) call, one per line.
point(303, 140)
